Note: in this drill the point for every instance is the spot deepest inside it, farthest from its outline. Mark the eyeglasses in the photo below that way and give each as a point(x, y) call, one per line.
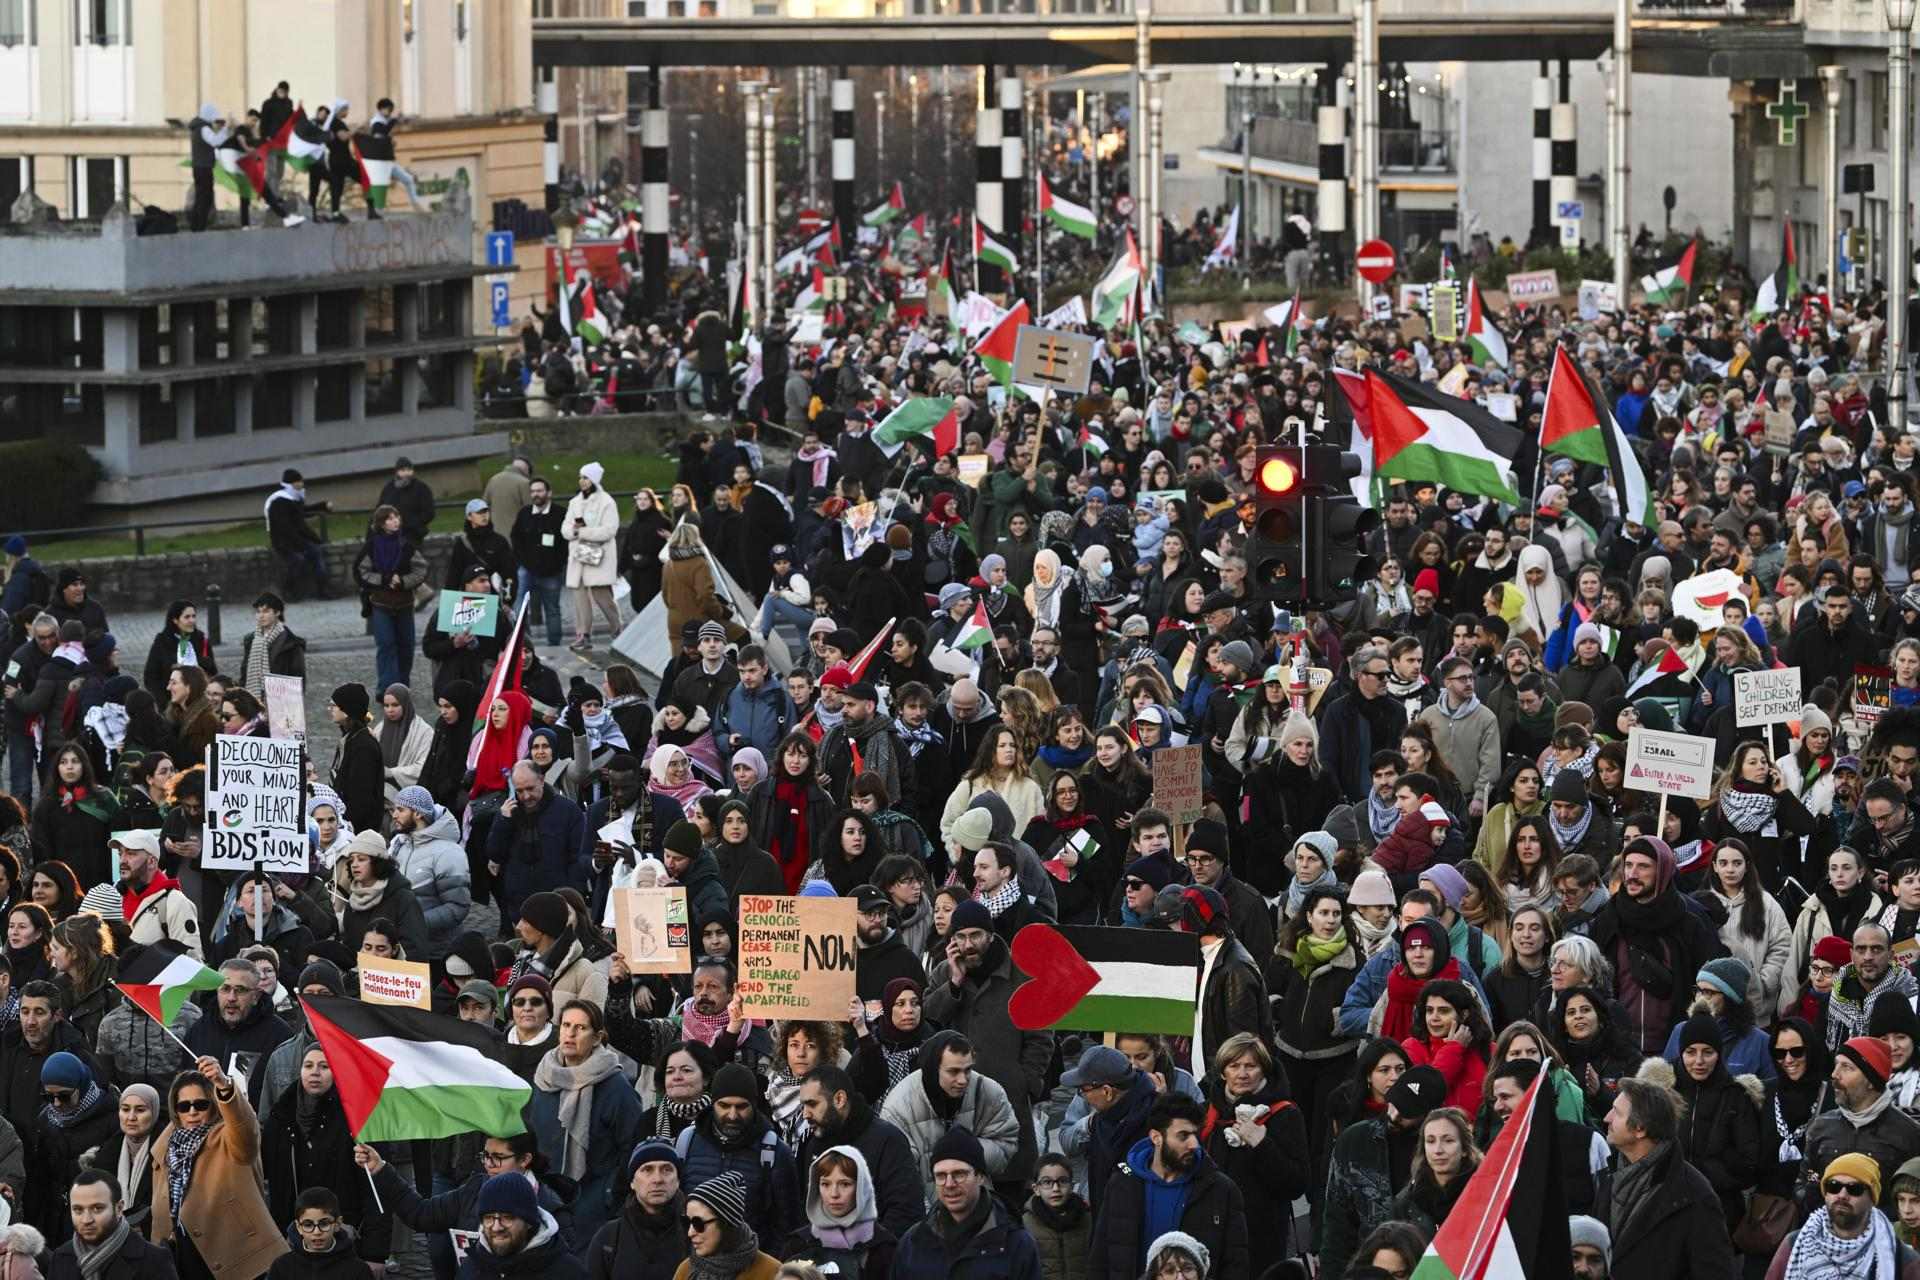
point(697, 1225)
point(1179, 1267)
point(1706, 991)
point(1782, 1052)
point(497, 1219)
point(953, 1175)
point(1844, 1187)
point(1135, 882)
point(315, 1224)
point(530, 1002)
point(1822, 969)
point(1046, 1184)
point(58, 1097)
point(192, 1106)
point(495, 1157)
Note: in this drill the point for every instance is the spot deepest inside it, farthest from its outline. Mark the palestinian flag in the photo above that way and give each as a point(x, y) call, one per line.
point(940, 280)
point(1422, 434)
point(375, 154)
point(1074, 219)
point(1670, 284)
point(887, 210)
point(976, 631)
point(1483, 336)
point(1084, 846)
point(162, 977)
point(1093, 444)
point(991, 251)
point(1670, 664)
point(404, 1073)
point(1353, 403)
point(1114, 290)
point(996, 348)
point(914, 232)
point(860, 660)
point(812, 296)
point(1779, 290)
point(242, 172)
point(578, 314)
point(507, 667)
point(1093, 979)
point(741, 319)
point(1577, 423)
point(278, 142)
point(928, 418)
point(306, 143)
point(1511, 1221)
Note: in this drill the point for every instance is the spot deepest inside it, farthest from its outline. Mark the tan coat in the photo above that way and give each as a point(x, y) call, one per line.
point(226, 1210)
point(686, 584)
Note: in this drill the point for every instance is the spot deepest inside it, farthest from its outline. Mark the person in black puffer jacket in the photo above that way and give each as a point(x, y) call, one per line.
point(1720, 1128)
point(82, 1113)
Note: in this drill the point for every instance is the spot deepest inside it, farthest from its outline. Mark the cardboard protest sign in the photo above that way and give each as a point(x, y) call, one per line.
point(652, 931)
point(1176, 783)
point(477, 612)
point(384, 981)
point(287, 707)
point(1766, 697)
point(1676, 764)
point(797, 956)
point(255, 815)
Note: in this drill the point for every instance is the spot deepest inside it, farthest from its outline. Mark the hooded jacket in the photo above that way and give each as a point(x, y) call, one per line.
point(1140, 1205)
point(547, 1255)
point(821, 1240)
point(435, 864)
point(918, 1108)
point(889, 1157)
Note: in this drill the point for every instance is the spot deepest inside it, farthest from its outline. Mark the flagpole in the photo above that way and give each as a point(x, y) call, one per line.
point(1040, 258)
point(976, 253)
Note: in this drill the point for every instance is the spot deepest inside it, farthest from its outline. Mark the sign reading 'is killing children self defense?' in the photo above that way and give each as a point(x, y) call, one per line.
point(797, 956)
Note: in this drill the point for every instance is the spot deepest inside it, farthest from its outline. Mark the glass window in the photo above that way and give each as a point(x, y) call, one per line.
point(159, 415)
point(103, 22)
point(1877, 105)
point(16, 23)
point(16, 175)
point(1849, 108)
point(383, 388)
point(437, 381)
point(273, 400)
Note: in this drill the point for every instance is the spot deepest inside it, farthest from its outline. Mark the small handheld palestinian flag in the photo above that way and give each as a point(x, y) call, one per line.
point(1510, 1222)
point(1093, 979)
point(1671, 284)
point(405, 1073)
point(929, 418)
point(306, 142)
point(996, 350)
point(163, 977)
point(1084, 847)
point(975, 632)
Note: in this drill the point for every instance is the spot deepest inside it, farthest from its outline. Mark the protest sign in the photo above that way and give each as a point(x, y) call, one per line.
point(1872, 694)
point(650, 926)
point(1700, 597)
point(476, 612)
point(797, 956)
point(1676, 764)
point(384, 981)
point(287, 707)
point(1766, 697)
point(1530, 287)
point(255, 816)
point(1176, 783)
point(972, 468)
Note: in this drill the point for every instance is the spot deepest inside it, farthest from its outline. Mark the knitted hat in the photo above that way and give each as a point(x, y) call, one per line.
point(845, 640)
point(1701, 1028)
point(953, 593)
point(971, 914)
point(1872, 1056)
point(352, 699)
point(1893, 1016)
point(817, 889)
point(1813, 718)
point(63, 1070)
point(1152, 870)
point(1573, 711)
point(1298, 726)
point(1180, 1242)
point(1861, 1168)
point(1584, 632)
point(726, 1195)
point(1371, 888)
point(416, 798)
point(545, 911)
point(1435, 814)
point(1203, 911)
point(1417, 1092)
point(713, 631)
point(1592, 1233)
point(1569, 788)
point(1834, 950)
point(683, 838)
point(1240, 654)
point(322, 973)
point(959, 1144)
point(653, 1151)
point(1451, 884)
point(973, 829)
point(734, 1081)
point(1321, 842)
point(1730, 976)
point(837, 676)
point(1208, 835)
point(509, 1192)
point(1427, 580)
point(531, 982)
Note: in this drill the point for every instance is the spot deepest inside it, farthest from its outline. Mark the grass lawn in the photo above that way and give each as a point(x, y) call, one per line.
point(626, 472)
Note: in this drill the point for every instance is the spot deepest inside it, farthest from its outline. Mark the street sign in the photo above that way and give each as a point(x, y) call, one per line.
point(1052, 359)
point(502, 303)
point(499, 248)
point(1570, 235)
point(1670, 763)
point(1375, 261)
point(1123, 205)
point(809, 221)
point(1569, 211)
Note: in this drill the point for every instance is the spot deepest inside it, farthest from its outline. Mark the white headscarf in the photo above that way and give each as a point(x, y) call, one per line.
point(1540, 606)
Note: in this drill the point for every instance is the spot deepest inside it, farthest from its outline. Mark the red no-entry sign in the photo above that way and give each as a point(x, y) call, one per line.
point(1375, 261)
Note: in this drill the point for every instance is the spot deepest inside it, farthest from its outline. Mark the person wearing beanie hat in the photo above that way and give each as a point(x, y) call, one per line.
point(650, 1233)
point(1721, 993)
point(359, 773)
point(967, 1226)
point(1172, 1245)
point(1870, 1057)
point(1143, 878)
point(725, 1246)
point(517, 1236)
point(1592, 1247)
point(1447, 882)
point(1208, 863)
point(1863, 1120)
point(1427, 581)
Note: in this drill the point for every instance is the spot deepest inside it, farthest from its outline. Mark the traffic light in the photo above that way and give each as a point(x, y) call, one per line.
point(1337, 525)
point(1275, 551)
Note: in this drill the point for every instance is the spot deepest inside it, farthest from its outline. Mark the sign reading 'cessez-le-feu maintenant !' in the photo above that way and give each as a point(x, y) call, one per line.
point(1093, 979)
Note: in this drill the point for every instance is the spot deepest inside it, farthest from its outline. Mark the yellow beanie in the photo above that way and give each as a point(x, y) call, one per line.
point(1854, 1165)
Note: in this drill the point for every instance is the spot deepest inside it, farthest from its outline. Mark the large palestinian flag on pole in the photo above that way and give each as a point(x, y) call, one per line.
point(1422, 434)
point(1074, 219)
point(887, 210)
point(405, 1073)
point(162, 977)
point(1511, 1221)
point(989, 250)
point(1670, 284)
point(1779, 290)
point(1483, 336)
point(1093, 979)
point(1577, 423)
point(997, 348)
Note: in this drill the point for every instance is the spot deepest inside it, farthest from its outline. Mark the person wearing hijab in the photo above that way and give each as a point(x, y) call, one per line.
point(673, 788)
point(1542, 597)
point(128, 1154)
point(446, 760)
point(843, 1236)
point(357, 773)
point(888, 1047)
point(405, 739)
point(593, 521)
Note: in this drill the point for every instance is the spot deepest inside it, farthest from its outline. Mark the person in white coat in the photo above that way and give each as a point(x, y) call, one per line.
point(592, 524)
point(1756, 931)
point(945, 1093)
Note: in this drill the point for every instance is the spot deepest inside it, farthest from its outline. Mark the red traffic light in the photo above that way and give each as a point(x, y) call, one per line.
point(1278, 476)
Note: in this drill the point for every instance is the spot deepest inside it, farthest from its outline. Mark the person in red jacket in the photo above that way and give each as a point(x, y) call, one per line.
point(1451, 1034)
point(1409, 847)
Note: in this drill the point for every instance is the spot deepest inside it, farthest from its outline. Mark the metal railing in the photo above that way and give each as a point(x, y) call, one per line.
point(139, 529)
point(1732, 10)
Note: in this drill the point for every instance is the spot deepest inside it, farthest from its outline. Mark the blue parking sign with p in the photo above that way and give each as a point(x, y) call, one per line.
point(502, 305)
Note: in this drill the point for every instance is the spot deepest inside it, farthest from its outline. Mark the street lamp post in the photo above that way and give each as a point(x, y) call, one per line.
point(880, 130)
point(1620, 116)
point(1156, 80)
point(1833, 80)
point(750, 91)
point(1138, 143)
point(1900, 243)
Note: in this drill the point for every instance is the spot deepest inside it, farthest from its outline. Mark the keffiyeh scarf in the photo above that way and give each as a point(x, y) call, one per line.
point(1747, 811)
point(1001, 900)
point(1818, 1254)
point(1570, 836)
point(1382, 816)
point(183, 1152)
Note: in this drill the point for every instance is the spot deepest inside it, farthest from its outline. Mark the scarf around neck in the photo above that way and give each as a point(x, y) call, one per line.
point(1297, 891)
point(1818, 1254)
point(93, 1261)
point(1747, 806)
point(575, 1086)
point(1867, 1115)
point(1001, 900)
point(1571, 836)
point(704, 1027)
point(183, 1152)
point(1382, 815)
point(726, 1266)
point(1313, 954)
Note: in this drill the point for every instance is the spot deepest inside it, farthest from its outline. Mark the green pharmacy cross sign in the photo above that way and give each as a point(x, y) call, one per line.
point(1787, 111)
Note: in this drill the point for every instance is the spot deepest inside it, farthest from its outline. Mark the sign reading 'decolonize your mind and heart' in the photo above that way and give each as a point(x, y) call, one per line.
point(797, 956)
point(1677, 764)
point(255, 815)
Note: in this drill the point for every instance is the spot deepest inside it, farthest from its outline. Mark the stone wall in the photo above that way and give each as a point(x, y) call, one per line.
point(133, 583)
